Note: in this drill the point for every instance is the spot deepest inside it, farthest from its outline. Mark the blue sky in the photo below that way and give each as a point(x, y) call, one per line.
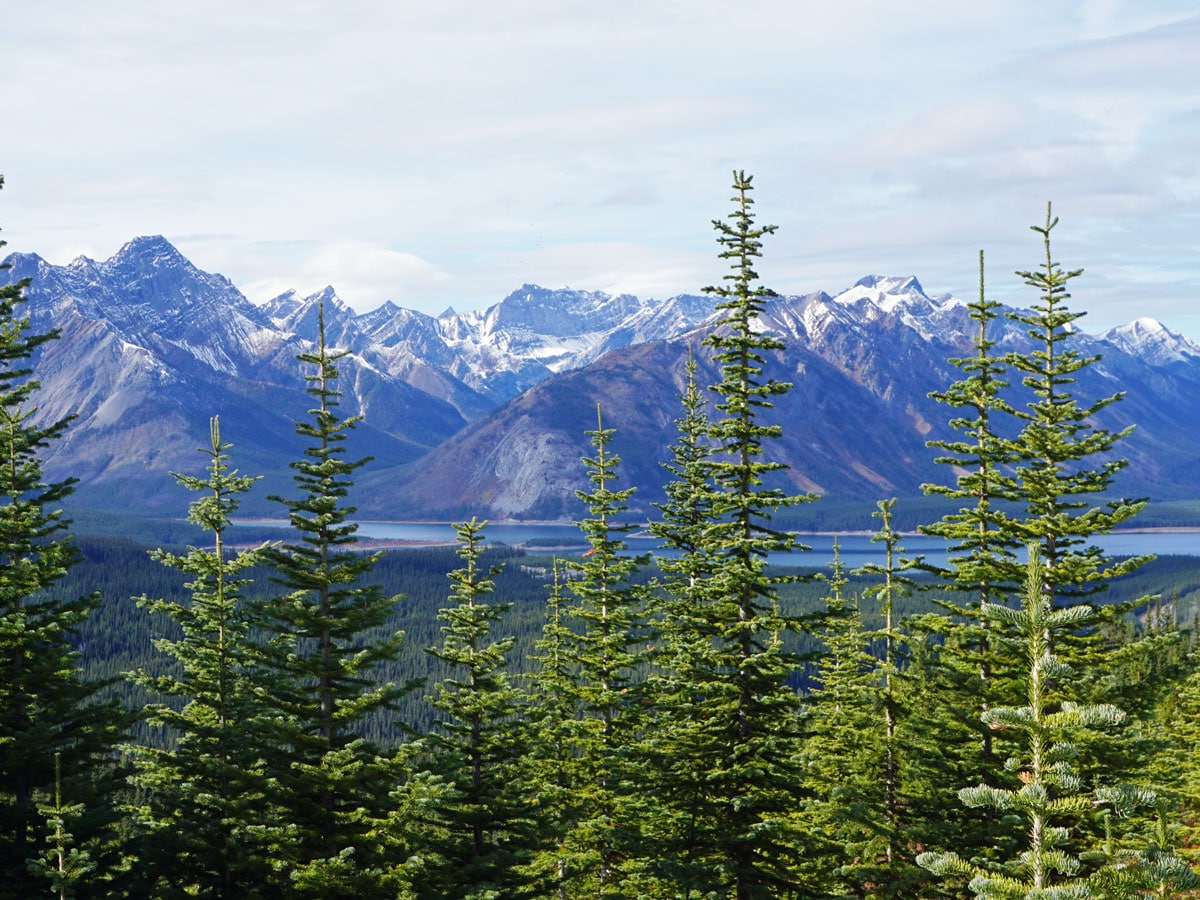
point(442, 153)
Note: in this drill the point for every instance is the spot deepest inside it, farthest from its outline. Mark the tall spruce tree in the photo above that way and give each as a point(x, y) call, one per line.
point(982, 548)
point(1034, 464)
point(205, 785)
point(965, 664)
point(478, 746)
point(893, 582)
point(56, 737)
point(554, 723)
point(740, 730)
point(687, 511)
point(609, 613)
point(982, 567)
point(325, 644)
point(676, 775)
point(1063, 459)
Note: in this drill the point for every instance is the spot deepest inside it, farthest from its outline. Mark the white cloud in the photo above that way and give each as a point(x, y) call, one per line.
point(364, 275)
point(441, 153)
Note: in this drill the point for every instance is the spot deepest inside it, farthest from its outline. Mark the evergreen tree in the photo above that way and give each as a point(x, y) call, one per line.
point(478, 747)
point(737, 725)
point(1154, 871)
point(62, 863)
point(1063, 459)
point(982, 548)
point(677, 777)
point(553, 717)
point(1033, 473)
point(965, 666)
point(609, 611)
point(1064, 464)
point(205, 788)
point(845, 753)
point(892, 585)
point(326, 642)
point(982, 561)
point(56, 738)
point(1176, 769)
point(686, 512)
point(1044, 789)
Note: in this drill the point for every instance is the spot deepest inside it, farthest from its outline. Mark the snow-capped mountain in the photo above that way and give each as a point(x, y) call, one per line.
point(494, 353)
point(485, 412)
point(1152, 341)
point(152, 347)
point(863, 364)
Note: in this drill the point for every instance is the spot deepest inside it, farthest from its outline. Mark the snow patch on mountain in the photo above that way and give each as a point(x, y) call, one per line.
point(1153, 341)
point(876, 295)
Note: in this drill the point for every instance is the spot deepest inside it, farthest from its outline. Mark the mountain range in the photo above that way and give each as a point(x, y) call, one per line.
point(486, 412)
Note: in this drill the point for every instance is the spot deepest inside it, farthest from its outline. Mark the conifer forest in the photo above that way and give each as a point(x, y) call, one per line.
point(692, 723)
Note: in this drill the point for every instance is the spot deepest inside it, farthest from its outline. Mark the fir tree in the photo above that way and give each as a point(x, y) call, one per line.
point(55, 737)
point(206, 788)
point(844, 819)
point(677, 777)
point(1064, 465)
point(1045, 790)
point(63, 864)
point(965, 666)
point(982, 562)
point(982, 551)
point(1062, 458)
point(738, 724)
point(478, 747)
point(1176, 769)
point(325, 646)
point(687, 510)
point(892, 585)
point(610, 616)
point(553, 716)
point(1155, 871)
point(1033, 473)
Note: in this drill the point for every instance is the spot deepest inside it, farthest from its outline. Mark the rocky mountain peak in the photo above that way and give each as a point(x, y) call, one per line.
point(877, 296)
point(889, 284)
point(1153, 341)
point(298, 315)
point(561, 312)
point(157, 283)
point(150, 249)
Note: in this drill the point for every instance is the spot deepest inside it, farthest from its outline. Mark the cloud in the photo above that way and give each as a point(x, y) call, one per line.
point(622, 268)
point(441, 153)
point(364, 275)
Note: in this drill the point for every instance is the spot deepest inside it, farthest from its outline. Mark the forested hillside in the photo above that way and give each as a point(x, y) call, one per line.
point(289, 714)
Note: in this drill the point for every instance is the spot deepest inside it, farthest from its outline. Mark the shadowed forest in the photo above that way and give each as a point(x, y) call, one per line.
point(287, 714)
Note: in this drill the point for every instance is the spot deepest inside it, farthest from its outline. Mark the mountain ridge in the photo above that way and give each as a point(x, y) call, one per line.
point(489, 407)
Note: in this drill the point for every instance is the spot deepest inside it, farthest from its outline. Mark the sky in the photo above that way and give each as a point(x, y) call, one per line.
point(441, 153)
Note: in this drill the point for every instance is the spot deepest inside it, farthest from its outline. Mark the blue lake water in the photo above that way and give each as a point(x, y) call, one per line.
point(856, 548)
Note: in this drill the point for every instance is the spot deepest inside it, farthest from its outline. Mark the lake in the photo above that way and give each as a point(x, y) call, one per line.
point(856, 547)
